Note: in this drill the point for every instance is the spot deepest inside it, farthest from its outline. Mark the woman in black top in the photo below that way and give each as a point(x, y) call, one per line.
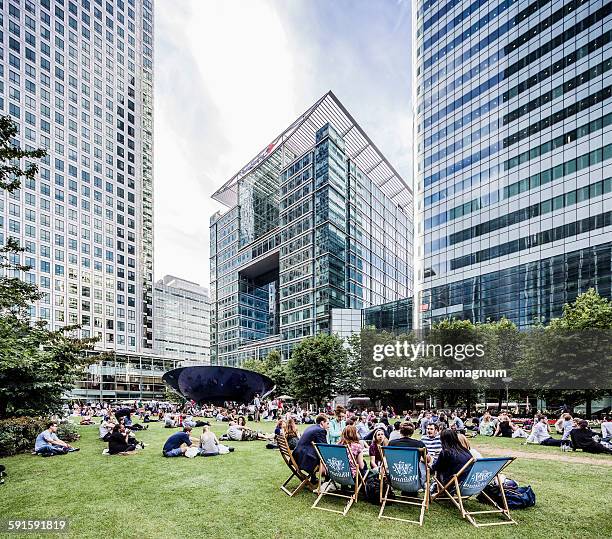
point(504, 427)
point(118, 441)
point(452, 457)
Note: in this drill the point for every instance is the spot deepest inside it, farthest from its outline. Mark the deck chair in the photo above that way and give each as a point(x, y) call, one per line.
point(479, 473)
point(287, 455)
point(404, 474)
point(337, 460)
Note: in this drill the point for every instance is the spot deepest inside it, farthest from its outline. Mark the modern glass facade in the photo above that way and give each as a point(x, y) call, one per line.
point(319, 220)
point(77, 78)
point(181, 321)
point(514, 174)
point(124, 377)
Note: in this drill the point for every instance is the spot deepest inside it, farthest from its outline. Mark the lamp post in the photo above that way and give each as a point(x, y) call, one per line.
point(507, 380)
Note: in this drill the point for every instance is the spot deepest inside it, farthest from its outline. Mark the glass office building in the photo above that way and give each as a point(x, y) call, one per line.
point(181, 320)
point(318, 220)
point(77, 78)
point(514, 174)
point(123, 377)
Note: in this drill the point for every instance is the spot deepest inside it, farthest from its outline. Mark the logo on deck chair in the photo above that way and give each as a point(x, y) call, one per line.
point(336, 466)
point(404, 472)
point(479, 479)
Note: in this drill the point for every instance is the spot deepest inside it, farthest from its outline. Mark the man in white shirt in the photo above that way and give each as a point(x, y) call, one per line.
point(541, 435)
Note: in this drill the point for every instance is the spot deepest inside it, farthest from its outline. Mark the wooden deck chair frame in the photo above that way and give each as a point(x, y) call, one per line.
point(359, 482)
point(287, 455)
point(423, 502)
point(457, 498)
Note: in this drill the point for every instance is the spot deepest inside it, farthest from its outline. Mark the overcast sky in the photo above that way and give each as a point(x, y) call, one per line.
point(232, 74)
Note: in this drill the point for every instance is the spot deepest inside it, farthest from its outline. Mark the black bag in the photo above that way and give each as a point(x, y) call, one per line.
point(372, 488)
point(517, 497)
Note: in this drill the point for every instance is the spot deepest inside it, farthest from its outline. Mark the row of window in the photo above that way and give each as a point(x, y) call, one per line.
point(571, 166)
point(570, 198)
point(588, 224)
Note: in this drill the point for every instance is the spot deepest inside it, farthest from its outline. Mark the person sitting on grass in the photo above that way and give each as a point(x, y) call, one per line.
point(432, 441)
point(405, 440)
point(395, 433)
point(486, 425)
point(583, 438)
point(209, 444)
point(177, 443)
point(606, 429)
point(121, 443)
point(106, 429)
point(48, 444)
point(541, 435)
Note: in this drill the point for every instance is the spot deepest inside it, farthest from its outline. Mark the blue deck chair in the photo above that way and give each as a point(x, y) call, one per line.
point(403, 472)
point(479, 474)
point(337, 460)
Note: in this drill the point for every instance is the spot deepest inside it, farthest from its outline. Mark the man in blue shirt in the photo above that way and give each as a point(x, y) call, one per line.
point(48, 444)
point(178, 443)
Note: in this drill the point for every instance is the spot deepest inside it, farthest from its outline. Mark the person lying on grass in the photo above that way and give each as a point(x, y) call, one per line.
point(240, 433)
point(48, 444)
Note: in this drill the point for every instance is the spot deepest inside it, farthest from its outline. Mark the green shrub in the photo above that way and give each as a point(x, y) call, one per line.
point(67, 431)
point(18, 434)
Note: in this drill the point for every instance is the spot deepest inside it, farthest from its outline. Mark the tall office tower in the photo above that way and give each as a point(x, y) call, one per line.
point(181, 320)
point(77, 77)
point(514, 174)
point(318, 220)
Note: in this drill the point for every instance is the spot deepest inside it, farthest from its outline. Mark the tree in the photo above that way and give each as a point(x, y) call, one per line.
point(317, 367)
point(272, 367)
point(568, 360)
point(37, 365)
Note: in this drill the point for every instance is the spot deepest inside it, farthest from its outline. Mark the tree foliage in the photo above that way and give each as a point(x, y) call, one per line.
point(272, 367)
point(317, 368)
point(37, 365)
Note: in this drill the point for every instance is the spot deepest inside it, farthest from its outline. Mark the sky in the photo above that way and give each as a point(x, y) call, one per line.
point(230, 75)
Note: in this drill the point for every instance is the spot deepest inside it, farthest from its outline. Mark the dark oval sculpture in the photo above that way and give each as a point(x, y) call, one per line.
point(216, 385)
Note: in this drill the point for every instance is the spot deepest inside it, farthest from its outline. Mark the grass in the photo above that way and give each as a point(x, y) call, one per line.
point(238, 495)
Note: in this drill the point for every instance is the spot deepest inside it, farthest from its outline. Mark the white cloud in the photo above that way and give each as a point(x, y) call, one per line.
point(231, 75)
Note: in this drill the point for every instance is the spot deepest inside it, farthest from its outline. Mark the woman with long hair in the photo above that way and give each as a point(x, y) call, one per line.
point(379, 440)
point(452, 457)
point(291, 433)
point(350, 439)
point(281, 426)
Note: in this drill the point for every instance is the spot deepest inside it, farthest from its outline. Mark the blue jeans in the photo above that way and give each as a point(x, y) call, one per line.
point(178, 452)
point(50, 450)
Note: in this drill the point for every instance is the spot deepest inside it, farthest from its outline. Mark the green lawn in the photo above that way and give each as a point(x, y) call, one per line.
point(238, 495)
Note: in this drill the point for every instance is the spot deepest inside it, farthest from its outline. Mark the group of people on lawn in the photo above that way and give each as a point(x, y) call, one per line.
point(447, 451)
point(118, 429)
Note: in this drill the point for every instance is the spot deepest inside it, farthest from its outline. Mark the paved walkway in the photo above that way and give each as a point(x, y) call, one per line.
point(556, 456)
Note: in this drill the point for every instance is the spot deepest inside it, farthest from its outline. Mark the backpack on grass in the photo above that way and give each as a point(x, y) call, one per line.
point(517, 497)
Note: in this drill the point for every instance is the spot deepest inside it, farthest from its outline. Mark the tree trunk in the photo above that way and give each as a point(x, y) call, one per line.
point(500, 400)
point(588, 405)
point(468, 401)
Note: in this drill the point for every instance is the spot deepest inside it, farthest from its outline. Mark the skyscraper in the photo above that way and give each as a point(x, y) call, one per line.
point(77, 77)
point(514, 175)
point(318, 220)
point(181, 320)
